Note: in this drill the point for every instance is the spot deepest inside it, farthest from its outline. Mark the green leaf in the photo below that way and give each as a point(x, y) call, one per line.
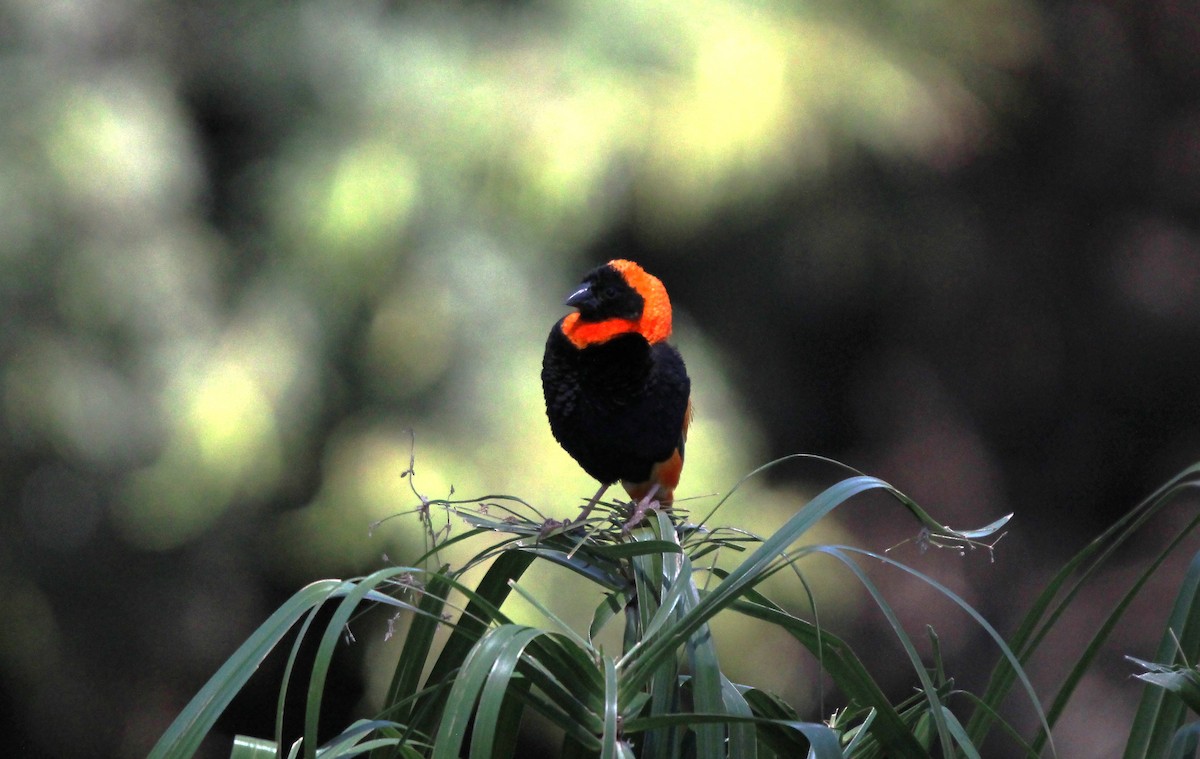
point(484, 606)
point(182, 739)
point(495, 692)
point(1058, 596)
point(602, 572)
point(329, 641)
point(609, 607)
point(497, 652)
point(1158, 718)
point(1185, 743)
point(418, 644)
point(610, 738)
point(929, 690)
point(707, 685)
point(823, 741)
point(843, 666)
point(745, 575)
point(1183, 682)
point(245, 747)
point(771, 707)
point(347, 743)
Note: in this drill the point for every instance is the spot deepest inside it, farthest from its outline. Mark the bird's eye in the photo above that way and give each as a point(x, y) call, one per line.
point(610, 292)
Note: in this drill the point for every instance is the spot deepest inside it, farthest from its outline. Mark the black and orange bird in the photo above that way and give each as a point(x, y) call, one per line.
point(617, 395)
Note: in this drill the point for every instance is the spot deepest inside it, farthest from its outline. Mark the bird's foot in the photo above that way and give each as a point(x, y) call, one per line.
point(590, 505)
point(549, 526)
point(640, 508)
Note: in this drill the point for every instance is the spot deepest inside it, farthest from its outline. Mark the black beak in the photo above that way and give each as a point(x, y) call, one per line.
point(582, 297)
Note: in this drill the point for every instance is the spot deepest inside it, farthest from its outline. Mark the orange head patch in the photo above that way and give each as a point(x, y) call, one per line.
point(654, 324)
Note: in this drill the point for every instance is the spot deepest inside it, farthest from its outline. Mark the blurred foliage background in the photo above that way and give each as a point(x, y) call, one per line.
point(246, 246)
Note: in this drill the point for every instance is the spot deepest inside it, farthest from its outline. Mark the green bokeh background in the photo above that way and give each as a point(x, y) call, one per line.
point(247, 247)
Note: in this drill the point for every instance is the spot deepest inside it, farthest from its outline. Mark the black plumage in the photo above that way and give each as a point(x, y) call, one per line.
point(618, 407)
point(617, 394)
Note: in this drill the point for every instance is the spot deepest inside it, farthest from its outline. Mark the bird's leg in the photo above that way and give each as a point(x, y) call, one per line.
point(639, 509)
point(591, 504)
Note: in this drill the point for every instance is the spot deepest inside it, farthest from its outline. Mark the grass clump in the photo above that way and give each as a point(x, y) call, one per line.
point(664, 692)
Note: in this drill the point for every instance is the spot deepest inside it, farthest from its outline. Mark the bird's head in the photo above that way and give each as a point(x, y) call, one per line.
point(617, 298)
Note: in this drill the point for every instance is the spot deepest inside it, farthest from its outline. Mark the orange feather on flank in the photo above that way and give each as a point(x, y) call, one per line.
point(664, 474)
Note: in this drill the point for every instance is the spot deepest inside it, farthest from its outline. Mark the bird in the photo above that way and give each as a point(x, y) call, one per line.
point(618, 395)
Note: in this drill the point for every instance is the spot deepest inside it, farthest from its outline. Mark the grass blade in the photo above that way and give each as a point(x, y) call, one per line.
point(245, 747)
point(928, 688)
point(495, 691)
point(418, 642)
point(182, 739)
point(483, 606)
point(1158, 716)
point(822, 741)
point(329, 641)
point(1054, 600)
point(459, 707)
point(745, 575)
point(1186, 743)
point(610, 737)
point(844, 667)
